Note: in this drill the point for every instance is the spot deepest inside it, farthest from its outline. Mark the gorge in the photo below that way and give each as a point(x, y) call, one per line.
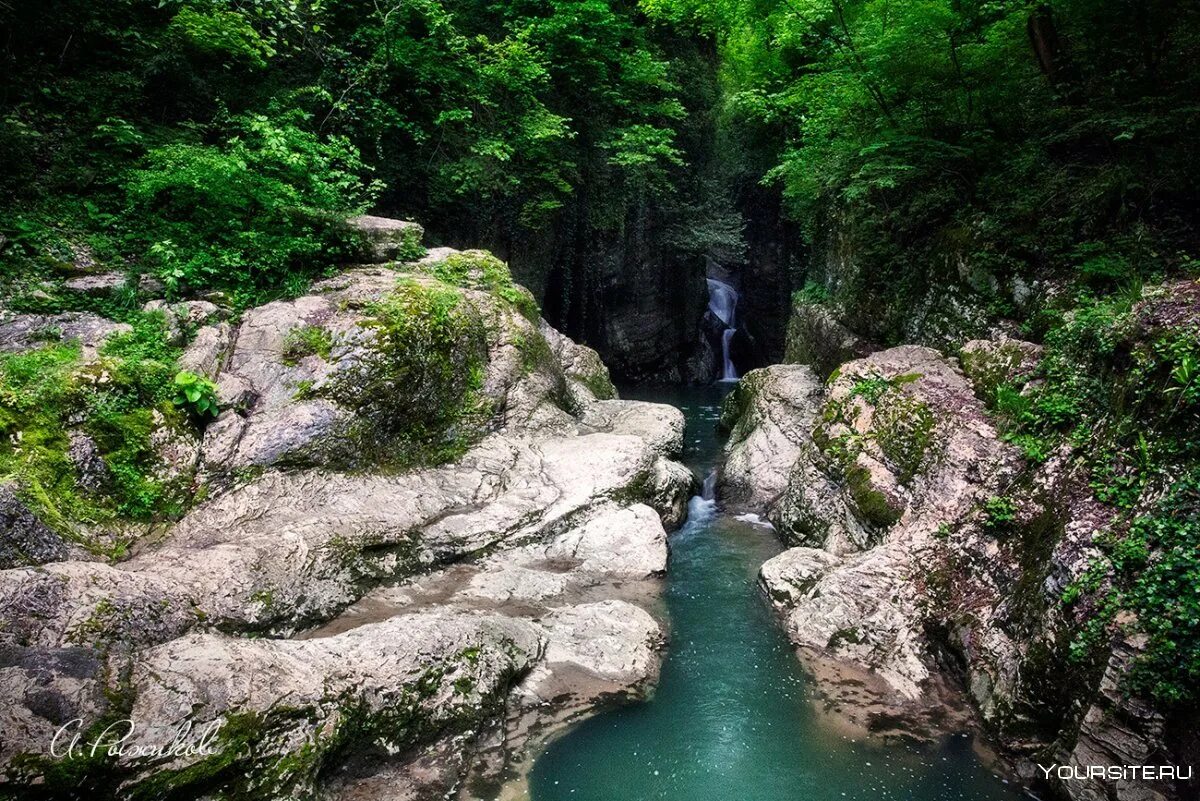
point(315, 478)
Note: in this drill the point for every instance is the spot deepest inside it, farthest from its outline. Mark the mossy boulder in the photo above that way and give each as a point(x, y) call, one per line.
point(815, 337)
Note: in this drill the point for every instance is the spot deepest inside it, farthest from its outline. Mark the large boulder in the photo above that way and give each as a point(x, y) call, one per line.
point(770, 416)
point(874, 466)
point(815, 337)
point(279, 709)
point(387, 239)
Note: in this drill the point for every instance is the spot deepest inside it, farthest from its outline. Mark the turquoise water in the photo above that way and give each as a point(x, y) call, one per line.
point(731, 719)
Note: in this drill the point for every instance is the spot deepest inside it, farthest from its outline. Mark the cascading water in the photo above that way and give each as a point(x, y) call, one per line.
point(722, 302)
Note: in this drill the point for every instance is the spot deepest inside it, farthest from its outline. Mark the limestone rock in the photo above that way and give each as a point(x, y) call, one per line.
point(789, 577)
point(388, 239)
point(613, 640)
point(93, 473)
point(96, 286)
point(658, 424)
point(22, 332)
point(771, 414)
point(816, 338)
point(25, 540)
point(185, 316)
point(399, 682)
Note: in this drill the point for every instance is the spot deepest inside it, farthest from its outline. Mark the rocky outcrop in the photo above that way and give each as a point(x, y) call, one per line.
point(770, 416)
point(929, 547)
point(817, 339)
point(23, 332)
point(517, 540)
point(388, 239)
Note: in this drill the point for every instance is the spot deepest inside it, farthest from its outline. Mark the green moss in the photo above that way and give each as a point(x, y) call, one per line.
point(117, 402)
point(872, 505)
point(536, 355)
point(598, 383)
point(416, 396)
point(477, 269)
point(307, 340)
point(904, 428)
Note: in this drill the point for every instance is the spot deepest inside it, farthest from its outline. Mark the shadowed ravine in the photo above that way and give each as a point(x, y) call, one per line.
point(733, 717)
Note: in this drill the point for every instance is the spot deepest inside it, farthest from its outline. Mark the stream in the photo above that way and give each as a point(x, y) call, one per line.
point(733, 717)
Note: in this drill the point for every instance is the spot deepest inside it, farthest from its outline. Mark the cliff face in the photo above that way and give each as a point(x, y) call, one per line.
point(927, 546)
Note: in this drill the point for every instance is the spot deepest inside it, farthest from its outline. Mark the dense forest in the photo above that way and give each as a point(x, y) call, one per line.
point(930, 168)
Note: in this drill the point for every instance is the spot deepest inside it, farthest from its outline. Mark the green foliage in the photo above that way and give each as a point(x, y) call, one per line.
point(1152, 571)
point(250, 214)
point(932, 145)
point(306, 340)
point(196, 394)
point(811, 292)
point(48, 393)
point(999, 512)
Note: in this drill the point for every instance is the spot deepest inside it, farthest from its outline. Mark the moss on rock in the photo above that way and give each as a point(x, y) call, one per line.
point(416, 396)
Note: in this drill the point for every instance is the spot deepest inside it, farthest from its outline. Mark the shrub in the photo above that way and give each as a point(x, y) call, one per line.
point(259, 211)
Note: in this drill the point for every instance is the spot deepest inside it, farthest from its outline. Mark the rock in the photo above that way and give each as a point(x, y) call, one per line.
point(626, 542)
point(92, 604)
point(612, 640)
point(396, 683)
point(207, 351)
point(387, 239)
point(991, 362)
point(92, 471)
point(1118, 729)
point(96, 286)
point(23, 332)
point(586, 374)
point(896, 448)
point(149, 286)
point(860, 610)
point(660, 425)
point(790, 577)
point(816, 338)
point(25, 540)
point(770, 415)
point(523, 557)
point(176, 448)
point(294, 365)
point(185, 316)
point(49, 688)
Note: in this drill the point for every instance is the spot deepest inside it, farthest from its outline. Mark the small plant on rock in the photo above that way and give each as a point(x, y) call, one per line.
point(196, 394)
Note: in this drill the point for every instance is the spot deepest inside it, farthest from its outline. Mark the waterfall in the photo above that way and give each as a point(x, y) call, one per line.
point(722, 302)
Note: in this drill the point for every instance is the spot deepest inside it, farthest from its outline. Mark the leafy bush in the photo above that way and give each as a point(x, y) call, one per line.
point(250, 215)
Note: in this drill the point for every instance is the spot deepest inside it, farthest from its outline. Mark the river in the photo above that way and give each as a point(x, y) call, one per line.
point(733, 717)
